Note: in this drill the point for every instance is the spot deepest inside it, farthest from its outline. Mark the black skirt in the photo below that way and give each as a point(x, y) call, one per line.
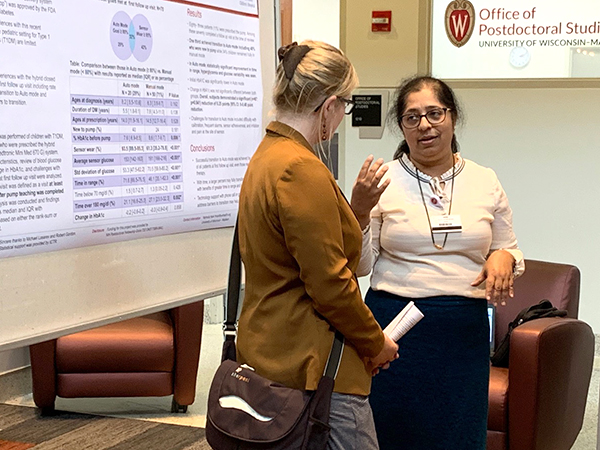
point(435, 396)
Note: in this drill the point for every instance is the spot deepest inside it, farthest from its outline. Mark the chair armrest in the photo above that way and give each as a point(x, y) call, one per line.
point(187, 325)
point(550, 368)
point(43, 373)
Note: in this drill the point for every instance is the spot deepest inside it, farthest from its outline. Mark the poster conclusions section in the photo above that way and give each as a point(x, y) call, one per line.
point(123, 119)
point(483, 39)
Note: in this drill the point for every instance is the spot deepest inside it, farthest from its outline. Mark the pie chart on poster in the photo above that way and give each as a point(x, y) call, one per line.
point(131, 36)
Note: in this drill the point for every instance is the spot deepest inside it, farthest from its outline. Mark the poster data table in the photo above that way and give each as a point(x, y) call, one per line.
point(127, 159)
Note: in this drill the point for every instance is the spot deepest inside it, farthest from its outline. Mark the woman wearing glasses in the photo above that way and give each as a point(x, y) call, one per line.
point(300, 243)
point(440, 234)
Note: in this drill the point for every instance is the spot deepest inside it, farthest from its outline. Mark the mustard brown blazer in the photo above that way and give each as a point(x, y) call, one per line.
point(300, 243)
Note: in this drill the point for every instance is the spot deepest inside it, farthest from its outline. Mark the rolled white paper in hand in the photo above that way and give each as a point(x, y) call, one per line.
point(404, 321)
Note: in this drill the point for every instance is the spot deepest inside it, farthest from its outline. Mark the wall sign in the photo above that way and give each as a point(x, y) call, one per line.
point(491, 39)
point(381, 21)
point(367, 111)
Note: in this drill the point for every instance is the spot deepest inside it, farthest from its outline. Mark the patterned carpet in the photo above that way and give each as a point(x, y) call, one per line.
point(22, 428)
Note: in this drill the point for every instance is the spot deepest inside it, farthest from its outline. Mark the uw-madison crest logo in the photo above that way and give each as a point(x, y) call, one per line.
point(459, 21)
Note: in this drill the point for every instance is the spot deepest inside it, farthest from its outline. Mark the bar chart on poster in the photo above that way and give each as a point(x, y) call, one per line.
point(509, 39)
point(126, 130)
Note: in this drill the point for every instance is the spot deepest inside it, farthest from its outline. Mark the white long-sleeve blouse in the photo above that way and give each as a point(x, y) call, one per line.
point(398, 246)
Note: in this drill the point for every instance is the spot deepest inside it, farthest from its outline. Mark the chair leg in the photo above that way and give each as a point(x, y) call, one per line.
point(47, 411)
point(177, 408)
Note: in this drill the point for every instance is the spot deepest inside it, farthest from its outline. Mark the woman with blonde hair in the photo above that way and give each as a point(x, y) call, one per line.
point(300, 243)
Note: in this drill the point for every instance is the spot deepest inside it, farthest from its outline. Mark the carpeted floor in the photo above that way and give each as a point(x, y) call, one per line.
point(22, 428)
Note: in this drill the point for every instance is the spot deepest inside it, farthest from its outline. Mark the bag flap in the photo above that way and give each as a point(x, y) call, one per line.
point(247, 406)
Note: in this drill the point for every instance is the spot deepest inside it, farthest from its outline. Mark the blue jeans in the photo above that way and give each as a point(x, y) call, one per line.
point(351, 422)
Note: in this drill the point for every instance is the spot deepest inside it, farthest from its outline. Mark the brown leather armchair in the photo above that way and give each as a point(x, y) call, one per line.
point(538, 403)
point(153, 355)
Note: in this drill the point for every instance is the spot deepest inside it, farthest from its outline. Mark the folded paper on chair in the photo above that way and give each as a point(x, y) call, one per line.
point(404, 321)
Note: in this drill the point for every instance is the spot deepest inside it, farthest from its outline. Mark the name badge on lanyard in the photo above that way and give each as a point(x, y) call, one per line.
point(446, 224)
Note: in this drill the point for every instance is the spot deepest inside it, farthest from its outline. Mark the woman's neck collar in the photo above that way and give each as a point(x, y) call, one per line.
point(435, 170)
point(305, 125)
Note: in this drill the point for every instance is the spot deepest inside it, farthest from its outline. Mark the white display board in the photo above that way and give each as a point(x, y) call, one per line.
point(123, 119)
point(53, 293)
point(491, 39)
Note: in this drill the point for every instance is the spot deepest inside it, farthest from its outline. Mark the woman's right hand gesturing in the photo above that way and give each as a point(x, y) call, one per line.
point(366, 190)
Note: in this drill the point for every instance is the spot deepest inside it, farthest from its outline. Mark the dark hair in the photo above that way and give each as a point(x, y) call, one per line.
point(444, 95)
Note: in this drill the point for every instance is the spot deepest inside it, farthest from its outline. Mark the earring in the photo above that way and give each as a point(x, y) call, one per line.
point(324, 136)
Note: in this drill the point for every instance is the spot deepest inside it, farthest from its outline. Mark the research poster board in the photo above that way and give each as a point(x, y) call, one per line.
point(53, 293)
point(124, 119)
point(512, 39)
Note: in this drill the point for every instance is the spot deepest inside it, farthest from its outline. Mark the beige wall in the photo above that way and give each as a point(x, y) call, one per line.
point(544, 143)
point(381, 59)
point(323, 26)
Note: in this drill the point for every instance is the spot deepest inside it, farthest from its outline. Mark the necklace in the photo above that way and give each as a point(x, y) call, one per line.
point(438, 246)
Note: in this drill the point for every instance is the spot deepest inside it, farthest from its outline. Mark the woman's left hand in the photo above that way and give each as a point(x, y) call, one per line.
point(366, 190)
point(498, 276)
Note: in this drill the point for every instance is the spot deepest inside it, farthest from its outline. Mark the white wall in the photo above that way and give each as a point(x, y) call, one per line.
point(13, 359)
point(318, 20)
point(544, 144)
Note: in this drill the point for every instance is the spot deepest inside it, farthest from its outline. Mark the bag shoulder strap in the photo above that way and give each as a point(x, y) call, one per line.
point(234, 284)
point(232, 303)
point(335, 356)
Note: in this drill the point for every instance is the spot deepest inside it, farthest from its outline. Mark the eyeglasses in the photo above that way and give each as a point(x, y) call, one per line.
point(348, 105)
point(434, 117)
